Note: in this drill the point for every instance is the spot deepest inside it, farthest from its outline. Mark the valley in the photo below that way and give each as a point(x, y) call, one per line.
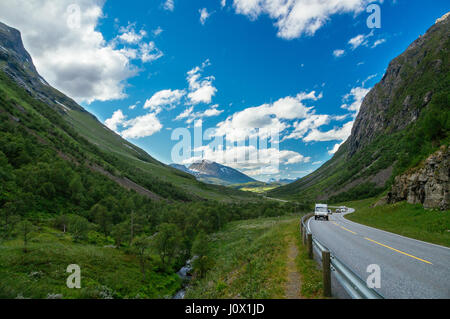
point(73, 191)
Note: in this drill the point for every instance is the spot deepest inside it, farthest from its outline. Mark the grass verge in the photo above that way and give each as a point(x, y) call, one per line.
point(251, 262)
point(404, 219)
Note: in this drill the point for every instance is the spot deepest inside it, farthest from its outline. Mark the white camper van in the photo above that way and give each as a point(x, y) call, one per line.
point(321, 211)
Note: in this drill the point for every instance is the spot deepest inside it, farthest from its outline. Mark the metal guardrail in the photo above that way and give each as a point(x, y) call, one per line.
point(353, 284)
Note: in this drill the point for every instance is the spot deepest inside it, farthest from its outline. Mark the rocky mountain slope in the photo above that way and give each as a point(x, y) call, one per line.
point(214, 173)
point(427, 184)
point(402, 120)
point(108, 153)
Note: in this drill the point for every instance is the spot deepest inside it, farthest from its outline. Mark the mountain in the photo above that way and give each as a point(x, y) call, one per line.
point(214, 173)
point(64, 127)
point(402, 121)
point(181, 168)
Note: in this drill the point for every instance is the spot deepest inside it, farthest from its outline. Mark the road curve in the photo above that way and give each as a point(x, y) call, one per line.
point(409, 268)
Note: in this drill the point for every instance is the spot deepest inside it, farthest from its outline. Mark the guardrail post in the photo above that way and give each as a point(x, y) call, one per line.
point(310, 247)
point(326, 273)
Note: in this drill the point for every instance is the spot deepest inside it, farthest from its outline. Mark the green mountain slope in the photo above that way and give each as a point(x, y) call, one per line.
point(114, 157)
point(402, 120)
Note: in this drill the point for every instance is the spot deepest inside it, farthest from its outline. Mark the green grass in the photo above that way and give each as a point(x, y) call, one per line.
point(404, 219)
point(312, 286)
point(251, 259)
point(104, 271)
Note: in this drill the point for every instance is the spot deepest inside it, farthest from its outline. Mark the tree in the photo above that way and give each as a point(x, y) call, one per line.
point(200, 250)
point(76, 188)
point(78, 227)
point(10, 216)
point(102, 217)
point(120, 233)
point(25, 229)
point(129, 208)
point(140, 247)
point(167, 242)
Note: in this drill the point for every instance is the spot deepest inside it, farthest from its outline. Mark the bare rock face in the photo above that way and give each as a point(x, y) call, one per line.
point(428, 184)
point(387, 108)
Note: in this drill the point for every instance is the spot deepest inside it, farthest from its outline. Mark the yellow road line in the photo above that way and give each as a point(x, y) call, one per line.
point(349, 230)
point(399, 251)
point(345, 228)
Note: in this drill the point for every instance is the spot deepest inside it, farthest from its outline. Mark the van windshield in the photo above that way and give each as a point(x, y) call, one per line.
point(321, 210)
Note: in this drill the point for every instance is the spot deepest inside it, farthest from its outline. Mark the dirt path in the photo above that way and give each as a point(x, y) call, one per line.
point(293, 285)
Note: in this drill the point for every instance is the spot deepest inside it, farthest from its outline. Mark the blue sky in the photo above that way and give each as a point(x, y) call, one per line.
point(246, 63)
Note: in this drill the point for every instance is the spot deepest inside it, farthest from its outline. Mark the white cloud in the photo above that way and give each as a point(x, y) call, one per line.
point(267, 116)
point(361, 39)
point(142, 126)
point(191, 116)
point(338, 53)
point(128, 34)
point(149, 52)
point(116, 119)
point(294, 18)
point(249, 159)
point(335, 148)
point(356, 97)
point(186, 113)
point(164, 98)
point(336, 134)
point(157, 31)
point(132, 107)
point(201, 89)
point(169, 5)
point(223, 3)
point(310, 123)
point(74, 58)
point(204, 15)
point(378, 42)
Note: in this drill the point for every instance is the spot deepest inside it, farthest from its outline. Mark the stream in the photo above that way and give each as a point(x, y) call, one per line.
point(185, 275)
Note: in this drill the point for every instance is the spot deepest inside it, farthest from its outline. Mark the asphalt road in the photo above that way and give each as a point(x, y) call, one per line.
point(409, 268)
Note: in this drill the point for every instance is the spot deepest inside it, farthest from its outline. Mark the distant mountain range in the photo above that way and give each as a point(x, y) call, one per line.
point(214, 173)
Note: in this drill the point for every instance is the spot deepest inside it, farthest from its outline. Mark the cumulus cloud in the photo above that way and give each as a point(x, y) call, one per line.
point(164, 98)
point(249, 159)
point(201, 89)
point(378, 42)
point(128, 34)
point(142, 126)
point(267, 116)
point(157, 31)
point(338, 53)
point(336, 134)
point(117, 119)
point(149, 52)
point(73, 57)
point(335, 148)
point(294, 18)
point(204, 15)
point(361, 39)
point(311, 123)
point(169, 5)
point(354, 99)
